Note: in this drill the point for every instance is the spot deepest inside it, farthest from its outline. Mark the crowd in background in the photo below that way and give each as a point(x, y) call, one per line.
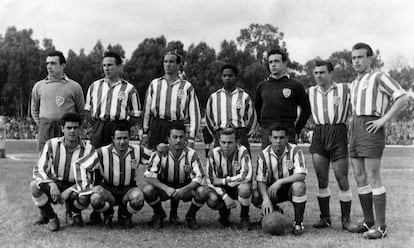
point(398, 132)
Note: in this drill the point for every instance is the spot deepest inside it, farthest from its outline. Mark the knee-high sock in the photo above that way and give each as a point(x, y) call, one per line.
point(324, 196)
point(379, 199)
point(299, 204)
point(365, 197)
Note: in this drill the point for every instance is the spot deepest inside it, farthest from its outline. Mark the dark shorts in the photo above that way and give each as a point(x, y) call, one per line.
point(330, 141)
point(48, 129)
point(241, 136)
point(163, 195)
point(158, 132)
point(101, 133)
point(118, 191)
point(283, 194)
point(265, 132)
point(62, 186)
point(363, 143)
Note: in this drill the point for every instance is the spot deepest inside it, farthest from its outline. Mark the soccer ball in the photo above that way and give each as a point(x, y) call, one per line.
point(274, 223)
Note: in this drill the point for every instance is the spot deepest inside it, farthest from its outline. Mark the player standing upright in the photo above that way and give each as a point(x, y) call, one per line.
point(53, 97)
point(278, 98)
point(375, 99)
point(169, 98)
point(330, 107)
point(231, 106)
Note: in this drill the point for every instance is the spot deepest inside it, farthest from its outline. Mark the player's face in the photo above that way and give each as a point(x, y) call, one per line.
point(177, 139)
point(278, 139)
point(71, 130)
point(229, 78)
point(360, 61)
point(121, 140)
point(276, 66)
point(111, 70)
point(170, 64)
point(54, 67)
point(228, 143)
point(322, 75)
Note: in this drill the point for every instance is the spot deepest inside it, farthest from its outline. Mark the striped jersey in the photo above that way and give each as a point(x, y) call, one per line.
point(177, 171)
point(271, 167)
point(372, 93)
point(57, 163)
point(235, 108)
point(176, 101)
point(112, 102)
point(116, 170)
point(238, 169)
point(330, 107)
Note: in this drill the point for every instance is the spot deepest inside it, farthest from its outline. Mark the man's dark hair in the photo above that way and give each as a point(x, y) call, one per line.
point(59, 54)
point(231, 67)
point(228, 131)
point(326, 63)
point(278, 127)
point(117, 57)
point(361, 45)
point(278, 51)
point(71, 117)
point(122, 125)
point(178, 57)
point(176, 125)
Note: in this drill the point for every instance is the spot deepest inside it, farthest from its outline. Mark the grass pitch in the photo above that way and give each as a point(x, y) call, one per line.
point(17, 212)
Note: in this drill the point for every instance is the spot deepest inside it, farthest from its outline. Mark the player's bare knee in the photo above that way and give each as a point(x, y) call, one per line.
point(96, 200)
point(244, 190)
point(36, 191)
point(298, 188)
point(213, 201)
point(201, 193)
point(343, 183)
point(149, 190)
point(83, 200)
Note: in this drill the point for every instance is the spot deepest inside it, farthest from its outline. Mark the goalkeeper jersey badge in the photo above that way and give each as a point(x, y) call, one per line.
point(60, 100)
point(180, 93)
point(134, 164)
point(287, 92)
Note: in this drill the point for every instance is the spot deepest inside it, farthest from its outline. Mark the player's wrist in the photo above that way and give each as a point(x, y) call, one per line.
point(224, 181)
point(225, 196)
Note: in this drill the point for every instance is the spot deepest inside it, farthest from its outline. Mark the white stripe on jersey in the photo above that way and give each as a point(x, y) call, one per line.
point(372, 93)
point(177, 101)
point(235, 108)
point(330, 107)
point(122, 97)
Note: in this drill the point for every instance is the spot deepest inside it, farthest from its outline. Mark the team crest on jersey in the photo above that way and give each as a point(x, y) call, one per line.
point(236, 165)
point(180, 93)
point(336, 100)
point(121, 95)
point(289, 164)
point(238, 104)
point(134, 164)
point(287, 92)
point(60, 100)
point(187, 168)
point(365, 84)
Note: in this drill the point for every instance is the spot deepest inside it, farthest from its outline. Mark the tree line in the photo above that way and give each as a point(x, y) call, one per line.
point(22, 64)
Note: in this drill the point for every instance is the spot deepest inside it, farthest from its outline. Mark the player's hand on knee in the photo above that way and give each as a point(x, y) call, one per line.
point(144, 139)
point(267, 206)
point(171, 192)
point(54, 192)
point(230, 203)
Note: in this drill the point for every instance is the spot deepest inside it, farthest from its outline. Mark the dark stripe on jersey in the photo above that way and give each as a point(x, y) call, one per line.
point(168, 95)
point(228, 108)
point(68, 161)
point(122, 170)
point(107, 114)
point(179, 99)
point(176, 171)
point(56, 160)
point(336, 106)
point(111, 166)
point(158, 99)
point(132, 179)
point(218, 110)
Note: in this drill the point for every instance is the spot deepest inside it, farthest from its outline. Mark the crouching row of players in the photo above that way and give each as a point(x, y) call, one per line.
point(65, 174)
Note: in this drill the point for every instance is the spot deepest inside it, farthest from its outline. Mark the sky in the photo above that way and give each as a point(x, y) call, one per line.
point(311, 27)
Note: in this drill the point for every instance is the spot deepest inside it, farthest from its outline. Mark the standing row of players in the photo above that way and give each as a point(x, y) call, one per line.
point(375, 98)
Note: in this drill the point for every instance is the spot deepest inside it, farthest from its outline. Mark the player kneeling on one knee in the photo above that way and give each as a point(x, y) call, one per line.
point(280, 177)
point(118, 165)
point(53, 174)
point(175, 175)
point(229, 173)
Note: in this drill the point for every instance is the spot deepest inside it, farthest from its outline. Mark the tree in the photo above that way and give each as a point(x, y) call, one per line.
point(259, 38)
point(117, 48)
point(146, 63)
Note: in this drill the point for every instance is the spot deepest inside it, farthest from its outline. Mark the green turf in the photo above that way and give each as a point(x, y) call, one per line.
point(17, 213)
